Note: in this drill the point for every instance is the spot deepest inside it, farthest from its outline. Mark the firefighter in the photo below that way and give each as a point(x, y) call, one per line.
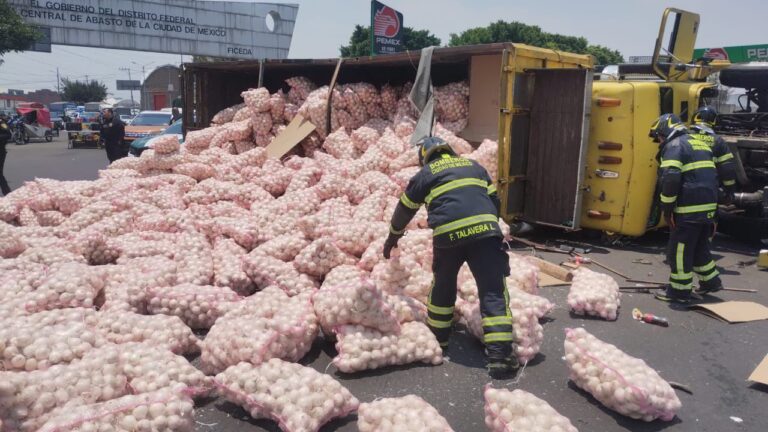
point(702, 129)
point(463, 212)
point(689, 189)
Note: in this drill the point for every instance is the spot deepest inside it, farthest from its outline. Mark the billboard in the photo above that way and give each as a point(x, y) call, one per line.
point(243, 30)
point(387, 29)
point(128, 84)
point(735, 54)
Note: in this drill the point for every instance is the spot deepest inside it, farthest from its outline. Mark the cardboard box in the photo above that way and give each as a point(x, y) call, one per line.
point(760, 374)
point(734, 311)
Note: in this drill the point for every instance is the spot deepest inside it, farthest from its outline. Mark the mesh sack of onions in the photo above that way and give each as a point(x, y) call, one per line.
point(354, 302)
point(11, 244)
point(284, 247)
point(320, 257)
point(9, 210)
point(166, 144)
point(67, 285)
point(343, 274)
point(27, 398)
point(407, 308)
point(388, 97)
point(277, 106)
point(168, 409)
point(452, 101)
point(245, 231)
point(268, 325)
point(523, 274)
point(194, 259)
point(226, 115)
point(339, 145)
point(407, 413)
point(198, 306)
point(528, 333)
point(257, 99)
point(459, 145)
point(301, 87)
point(150, 369)
point(298, 398)
point(507, 410)
point(261, 123)
point(32, 347)
point(362, 348)
point(594, 294)
point(265, 270)
point(196, 170)
point(520, 299)
point(304, 178)
point(372, 254)
point(355, 237)
point(332, 186)
point(619, 381)
point(227, 267)
point(364, 137)
point(243, 113)
point(160, 330)
point(96, 249)
point(487, 156)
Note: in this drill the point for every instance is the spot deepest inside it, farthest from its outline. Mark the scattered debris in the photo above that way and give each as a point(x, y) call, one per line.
point(649, 318)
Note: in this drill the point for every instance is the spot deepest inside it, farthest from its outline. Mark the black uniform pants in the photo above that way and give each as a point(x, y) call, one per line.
point(115, 151)
point(3, 183)
point(688, 252)
point(489, 264)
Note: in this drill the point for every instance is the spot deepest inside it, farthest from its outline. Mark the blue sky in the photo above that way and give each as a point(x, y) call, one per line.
point(324, 25)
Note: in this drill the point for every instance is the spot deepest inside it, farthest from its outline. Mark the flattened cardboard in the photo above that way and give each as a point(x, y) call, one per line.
point(298, 129)
point(734, 311)
point(760, 374)
point(546, 280)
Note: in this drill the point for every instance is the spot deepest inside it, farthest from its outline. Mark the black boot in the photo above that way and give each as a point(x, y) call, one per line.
point(501, 364)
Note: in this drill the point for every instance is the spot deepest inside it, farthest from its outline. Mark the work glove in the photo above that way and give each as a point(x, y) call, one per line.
point(390, 243)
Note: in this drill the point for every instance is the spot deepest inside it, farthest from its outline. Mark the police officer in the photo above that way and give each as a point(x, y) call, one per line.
point(5, 135)
point(463, 212)
point(702, 129)
point(113, 133)
point(689, 189)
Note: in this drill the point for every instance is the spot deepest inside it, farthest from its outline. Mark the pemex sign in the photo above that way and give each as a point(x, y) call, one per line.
point(735, 54)
point(207, 28)
point(386, 29)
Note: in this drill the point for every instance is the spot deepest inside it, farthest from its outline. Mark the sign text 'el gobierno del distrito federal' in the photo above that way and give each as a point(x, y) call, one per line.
point(221, 29)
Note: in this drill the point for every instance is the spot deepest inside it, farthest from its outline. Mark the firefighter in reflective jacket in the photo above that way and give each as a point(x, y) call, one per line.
point(689, 189)
point(703, 130)
point(463, 212)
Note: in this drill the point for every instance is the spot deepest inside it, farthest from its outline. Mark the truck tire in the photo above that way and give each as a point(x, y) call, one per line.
point(750, 230)
point(745, 77)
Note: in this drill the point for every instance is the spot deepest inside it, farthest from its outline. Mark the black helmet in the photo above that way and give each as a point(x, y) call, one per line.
point(430, 146)
point(667, 126)
point(706, 115)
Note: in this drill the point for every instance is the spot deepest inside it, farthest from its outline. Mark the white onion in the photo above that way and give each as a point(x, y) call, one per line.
point(407, 413)
point(507, 410)
point(594, 294)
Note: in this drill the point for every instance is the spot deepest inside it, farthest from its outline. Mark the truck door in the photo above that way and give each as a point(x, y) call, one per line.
point(548, 135)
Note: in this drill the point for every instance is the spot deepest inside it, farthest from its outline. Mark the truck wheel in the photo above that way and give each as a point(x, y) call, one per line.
point(48, 137)
point(745, 77)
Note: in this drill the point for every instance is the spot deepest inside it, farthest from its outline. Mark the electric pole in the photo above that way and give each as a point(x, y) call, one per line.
point(129, 79)
point(58, 82)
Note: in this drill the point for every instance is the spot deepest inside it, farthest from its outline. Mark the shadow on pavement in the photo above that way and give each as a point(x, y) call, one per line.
point(623, 421)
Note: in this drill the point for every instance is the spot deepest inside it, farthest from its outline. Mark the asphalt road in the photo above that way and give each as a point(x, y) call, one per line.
point(713, 358)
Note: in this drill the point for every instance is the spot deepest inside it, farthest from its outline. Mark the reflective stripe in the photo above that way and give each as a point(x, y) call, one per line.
point(666, 200)
point(681, 276)
point(671, 164)
point(461, 223)
point(491, 189)
point(697, 165)
point(439, 324)
point(682, 287)
point(705, 268)
point(408, 203)
point(679, 258)
point(396, 232)
point(729, 182)
point(455, 184)
point(704, 278)
point(440, 310)
point(724, 157)
point(696, 208)
point(701, 147)
point(497, 321)
point(498, 337)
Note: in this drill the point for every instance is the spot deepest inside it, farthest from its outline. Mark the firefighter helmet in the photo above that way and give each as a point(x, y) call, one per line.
point(666, 127)
point(706, 115)
point(430, 146)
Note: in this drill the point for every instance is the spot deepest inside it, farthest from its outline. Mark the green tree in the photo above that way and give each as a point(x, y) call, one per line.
point(82, 91)
point(360, 41)
point(502, 31)
point(15, 34)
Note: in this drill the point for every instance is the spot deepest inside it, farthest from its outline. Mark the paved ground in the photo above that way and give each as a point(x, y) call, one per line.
point(711, 357)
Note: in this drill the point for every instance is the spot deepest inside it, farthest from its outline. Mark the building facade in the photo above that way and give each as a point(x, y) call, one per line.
point(161, 87)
